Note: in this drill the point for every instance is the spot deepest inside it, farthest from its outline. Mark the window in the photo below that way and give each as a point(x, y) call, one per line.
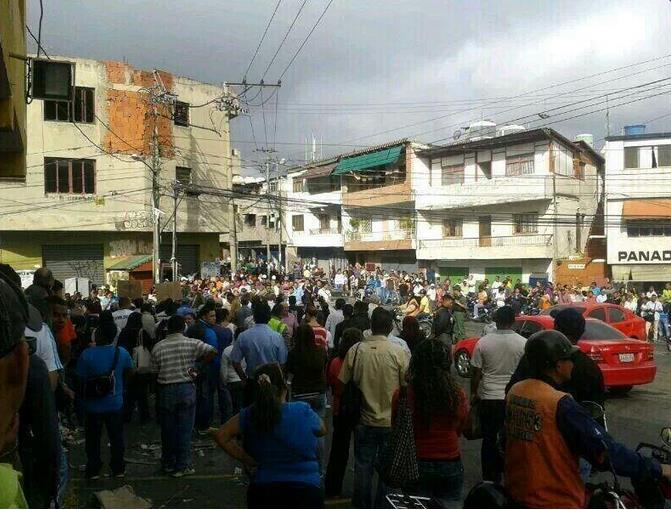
point(599, 331)
point(181, 116)
point(631, 157)
point(272, 186)
point(648, 228)
point(250, 220)
point(183, 174)
point(299, 185)
point(324, 222)
point(83, 107)
point(366, 225)
point(263, 220)
point(615, 315)
point(664, 155)
point(339, 224)
point(525, 223)
point(453, 227)
point(520, 165)
point(579, 170)
point(529, 328)
point(73, 176)
point(297, 222)
point(452, 174)
point(598, 313)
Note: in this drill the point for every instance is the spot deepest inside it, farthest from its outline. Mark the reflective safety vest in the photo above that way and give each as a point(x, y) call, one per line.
point(540, 470)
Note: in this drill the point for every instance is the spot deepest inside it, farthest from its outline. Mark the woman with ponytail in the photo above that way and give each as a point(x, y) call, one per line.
point(278, 446)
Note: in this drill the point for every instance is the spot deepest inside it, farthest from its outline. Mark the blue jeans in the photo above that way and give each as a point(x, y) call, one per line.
point(441, 480)
point(205, 391)
point(369, 442)
point(177, 411)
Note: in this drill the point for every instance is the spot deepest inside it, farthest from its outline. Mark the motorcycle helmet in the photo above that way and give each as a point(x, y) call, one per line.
point(545, 348)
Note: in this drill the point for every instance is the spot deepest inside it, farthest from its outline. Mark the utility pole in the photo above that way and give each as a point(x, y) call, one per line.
point(234, 241)
point(155, 193)
point(268, 153)
point(173, 258)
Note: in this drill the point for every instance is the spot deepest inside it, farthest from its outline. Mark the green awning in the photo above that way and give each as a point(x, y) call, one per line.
point(370, 160)
point(129, 263)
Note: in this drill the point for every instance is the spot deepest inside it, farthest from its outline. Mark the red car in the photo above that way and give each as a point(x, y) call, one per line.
point(624, 362)
point(617, 316)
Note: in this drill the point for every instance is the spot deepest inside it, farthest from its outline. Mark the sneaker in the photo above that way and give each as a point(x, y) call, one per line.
point(93, 477)
point(121, 474)
point(168, 470)
point(184, 472)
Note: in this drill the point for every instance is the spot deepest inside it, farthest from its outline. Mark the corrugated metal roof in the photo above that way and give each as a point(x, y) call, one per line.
point(129, 263)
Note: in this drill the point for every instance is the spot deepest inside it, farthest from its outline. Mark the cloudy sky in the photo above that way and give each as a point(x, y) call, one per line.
point(377, 70)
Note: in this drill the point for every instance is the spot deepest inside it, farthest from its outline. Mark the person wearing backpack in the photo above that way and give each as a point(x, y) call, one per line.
point(102, 370)
point(439, 409)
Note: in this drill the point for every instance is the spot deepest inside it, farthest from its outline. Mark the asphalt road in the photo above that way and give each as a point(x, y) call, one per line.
point(634, 418)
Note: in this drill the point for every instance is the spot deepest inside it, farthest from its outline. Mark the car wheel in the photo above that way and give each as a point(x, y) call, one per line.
point(620, 390)
point(462, 362)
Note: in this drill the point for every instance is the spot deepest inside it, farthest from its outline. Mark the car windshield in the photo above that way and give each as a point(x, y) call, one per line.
point(597, 330)
point(557, 308)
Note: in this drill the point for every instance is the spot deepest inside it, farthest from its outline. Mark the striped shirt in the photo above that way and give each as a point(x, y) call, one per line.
point(175, 357)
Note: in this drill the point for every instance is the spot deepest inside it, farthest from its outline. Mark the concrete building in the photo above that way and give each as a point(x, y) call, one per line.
point(313, 215)
point(84, 204)
point(521, 205)
point(12, 89)
point(638, 209)
point(378, 203)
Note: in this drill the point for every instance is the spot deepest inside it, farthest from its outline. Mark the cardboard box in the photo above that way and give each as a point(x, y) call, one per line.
point(129, 289)
point(169, 290)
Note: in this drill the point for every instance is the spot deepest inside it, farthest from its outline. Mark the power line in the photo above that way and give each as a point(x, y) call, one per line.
point(284, 39)
point(305, 40)
point(262, 39)
point(39, 31)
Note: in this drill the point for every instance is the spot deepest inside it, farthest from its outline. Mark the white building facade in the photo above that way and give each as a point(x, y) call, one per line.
point(638, 210)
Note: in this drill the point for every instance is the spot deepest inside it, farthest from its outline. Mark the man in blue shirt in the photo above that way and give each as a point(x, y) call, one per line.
point(258, 346)
point(95, 362)
point(207, 383)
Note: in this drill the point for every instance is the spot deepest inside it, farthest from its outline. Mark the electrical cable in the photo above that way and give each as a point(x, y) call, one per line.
point(244, 79)
point(39, 30)
point(284, 39)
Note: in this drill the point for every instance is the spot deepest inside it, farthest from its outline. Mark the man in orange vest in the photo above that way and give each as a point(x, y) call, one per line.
point(547, 432)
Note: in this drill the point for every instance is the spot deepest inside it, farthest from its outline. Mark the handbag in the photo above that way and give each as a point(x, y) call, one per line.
point(142, 355)
point(398, 461)
point(102, 385)
point(351, 399)
point(473, 429)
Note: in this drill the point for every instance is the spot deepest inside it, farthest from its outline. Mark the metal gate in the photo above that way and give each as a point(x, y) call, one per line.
point(75, 260)
point(187, 257)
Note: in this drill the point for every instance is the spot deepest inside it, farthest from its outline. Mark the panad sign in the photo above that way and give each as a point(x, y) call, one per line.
point(644, 256)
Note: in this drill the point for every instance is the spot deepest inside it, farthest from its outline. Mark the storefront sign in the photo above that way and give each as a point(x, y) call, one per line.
point(576, 266)
point(638, 256)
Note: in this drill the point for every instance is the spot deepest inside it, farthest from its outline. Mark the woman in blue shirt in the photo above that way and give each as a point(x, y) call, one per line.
point(279, 445)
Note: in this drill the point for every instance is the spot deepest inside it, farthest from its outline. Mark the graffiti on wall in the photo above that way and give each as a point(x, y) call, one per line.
point(134, 220)
point(85, 268)
point(129, 247)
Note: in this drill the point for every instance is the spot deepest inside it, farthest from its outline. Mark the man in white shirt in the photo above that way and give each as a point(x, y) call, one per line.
point(495, 358)
point(496, 283)
point(121, 315)
point(230, 380)
point(335, 317)
point(470, 284)
point(653, 308)
point(340, 280)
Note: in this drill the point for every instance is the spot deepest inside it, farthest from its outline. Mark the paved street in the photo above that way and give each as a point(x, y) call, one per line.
point(636, 417)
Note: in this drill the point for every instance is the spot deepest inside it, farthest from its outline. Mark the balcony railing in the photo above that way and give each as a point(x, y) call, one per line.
point(489, 241)
point(399, 235)
point(323, 231)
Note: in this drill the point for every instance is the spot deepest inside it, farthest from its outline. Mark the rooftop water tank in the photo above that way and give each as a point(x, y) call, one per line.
point(481, 129)
point(634, 129)
point(585, 137)
point(509, 129)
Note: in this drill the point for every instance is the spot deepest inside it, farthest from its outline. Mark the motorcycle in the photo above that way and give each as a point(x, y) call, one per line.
point(425, 321)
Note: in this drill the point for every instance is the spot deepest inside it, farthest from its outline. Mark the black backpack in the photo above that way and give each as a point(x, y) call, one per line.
point(102, 385)
point(351, 399)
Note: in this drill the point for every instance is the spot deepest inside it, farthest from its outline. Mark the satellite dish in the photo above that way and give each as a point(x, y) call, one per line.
point(457, 134)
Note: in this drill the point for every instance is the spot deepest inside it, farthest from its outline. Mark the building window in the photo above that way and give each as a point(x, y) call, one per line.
point(579, 170)
point(366, 225)
point(183, 174)
point(299, 185)
point(263, 220)
point(181, 116)
point(272, 186)
point(250, 220)
point(339, 223)
point(664, 155)
point(297, 223)
point(324, 222)
point(73, 176)
point(453, 227)
point(648, 228)
point(525, 223)
point(520, 165)
point(83, 107)
point(452, 174)
point(631, 157)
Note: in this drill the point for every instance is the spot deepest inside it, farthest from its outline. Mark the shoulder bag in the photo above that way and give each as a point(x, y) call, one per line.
point(141, 355)
point(351, 399)
point(102, 385)
point(398, 461)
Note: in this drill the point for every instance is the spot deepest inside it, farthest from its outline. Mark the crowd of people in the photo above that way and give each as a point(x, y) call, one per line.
point(255, 359)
